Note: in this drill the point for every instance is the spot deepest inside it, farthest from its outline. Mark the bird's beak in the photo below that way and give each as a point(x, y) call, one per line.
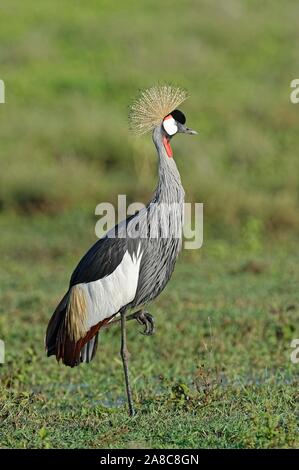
point(190, 131)
point(186, 130)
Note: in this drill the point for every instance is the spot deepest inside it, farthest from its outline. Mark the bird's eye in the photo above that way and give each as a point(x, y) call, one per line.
point(170, 125)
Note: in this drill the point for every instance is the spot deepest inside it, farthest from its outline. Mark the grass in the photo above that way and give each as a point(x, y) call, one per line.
point(218, 371)
point(216, 374)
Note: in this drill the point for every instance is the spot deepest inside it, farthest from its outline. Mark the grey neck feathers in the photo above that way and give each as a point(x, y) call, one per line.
point(169, 189)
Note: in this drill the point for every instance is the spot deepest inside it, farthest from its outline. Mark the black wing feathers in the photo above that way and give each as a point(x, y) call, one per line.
point(100, 261)
point(104, 256)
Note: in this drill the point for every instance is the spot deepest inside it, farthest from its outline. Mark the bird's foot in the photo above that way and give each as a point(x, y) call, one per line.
point(145, 318)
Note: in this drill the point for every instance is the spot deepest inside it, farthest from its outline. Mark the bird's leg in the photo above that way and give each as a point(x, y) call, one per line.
point(143, 317)
point(125, 358)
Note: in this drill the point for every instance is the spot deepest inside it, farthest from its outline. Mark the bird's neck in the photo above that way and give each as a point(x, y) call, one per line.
point(169, 188)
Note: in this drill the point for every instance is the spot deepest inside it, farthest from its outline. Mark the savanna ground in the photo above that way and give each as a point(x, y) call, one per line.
point(218, 372)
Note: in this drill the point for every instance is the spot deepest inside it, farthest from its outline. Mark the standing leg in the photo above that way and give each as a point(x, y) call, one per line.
point(125, 358)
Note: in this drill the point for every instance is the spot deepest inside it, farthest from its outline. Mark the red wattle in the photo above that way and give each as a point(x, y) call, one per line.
point(167, 147)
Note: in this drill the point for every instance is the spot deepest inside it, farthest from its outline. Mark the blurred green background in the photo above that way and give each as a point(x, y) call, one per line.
point(71, 70)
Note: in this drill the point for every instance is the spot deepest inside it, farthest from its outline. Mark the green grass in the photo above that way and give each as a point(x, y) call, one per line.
point(218, 372)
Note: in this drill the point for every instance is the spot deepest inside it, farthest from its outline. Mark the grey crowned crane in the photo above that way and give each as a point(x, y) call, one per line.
point(129, 267)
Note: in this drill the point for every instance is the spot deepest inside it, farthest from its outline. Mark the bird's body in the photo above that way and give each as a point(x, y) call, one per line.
point(126, 269)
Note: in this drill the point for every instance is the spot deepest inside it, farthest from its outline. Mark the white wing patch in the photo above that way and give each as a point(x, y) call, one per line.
point(107, 296)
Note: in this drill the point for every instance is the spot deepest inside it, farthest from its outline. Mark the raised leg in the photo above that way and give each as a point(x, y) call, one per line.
point(142, 317)
point(125, 358)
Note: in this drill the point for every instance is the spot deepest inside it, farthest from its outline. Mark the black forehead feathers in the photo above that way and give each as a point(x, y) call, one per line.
point(178, 116)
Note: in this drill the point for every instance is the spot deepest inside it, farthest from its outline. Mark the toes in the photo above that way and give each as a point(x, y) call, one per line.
point(147, 331)
point(147, 320)
point(140, 320)
point(150, 324)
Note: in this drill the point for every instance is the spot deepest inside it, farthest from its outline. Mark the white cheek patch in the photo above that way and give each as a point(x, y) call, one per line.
point(170, 126)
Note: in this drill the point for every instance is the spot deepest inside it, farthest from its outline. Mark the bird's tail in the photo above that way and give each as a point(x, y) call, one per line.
point(58, 341)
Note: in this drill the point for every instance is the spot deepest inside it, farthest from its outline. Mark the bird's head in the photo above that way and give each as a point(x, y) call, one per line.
point(172, 124)
point(156, 110)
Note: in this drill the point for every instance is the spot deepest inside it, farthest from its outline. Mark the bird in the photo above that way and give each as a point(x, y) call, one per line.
point(131, 264)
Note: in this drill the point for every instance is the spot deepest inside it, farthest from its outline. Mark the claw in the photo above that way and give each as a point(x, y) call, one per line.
point(146, 319)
